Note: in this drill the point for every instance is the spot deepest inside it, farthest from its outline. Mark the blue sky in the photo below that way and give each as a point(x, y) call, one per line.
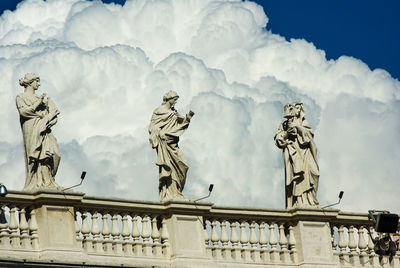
point(365, 29)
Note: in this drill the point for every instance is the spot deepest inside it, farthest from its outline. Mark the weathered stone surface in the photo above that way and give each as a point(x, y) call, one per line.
point(37, 115)
point(166, 126)
point(296, 138)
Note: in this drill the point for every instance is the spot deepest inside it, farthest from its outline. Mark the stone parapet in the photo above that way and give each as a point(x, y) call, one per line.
point(71, 228)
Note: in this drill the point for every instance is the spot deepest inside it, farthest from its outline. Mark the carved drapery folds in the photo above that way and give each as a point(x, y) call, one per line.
point(37, 115)
point(296, 139)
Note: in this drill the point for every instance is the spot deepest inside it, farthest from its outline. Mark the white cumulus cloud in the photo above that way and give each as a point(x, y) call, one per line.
point(107, 67)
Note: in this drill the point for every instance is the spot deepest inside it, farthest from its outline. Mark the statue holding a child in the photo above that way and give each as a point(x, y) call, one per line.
point(296, 138)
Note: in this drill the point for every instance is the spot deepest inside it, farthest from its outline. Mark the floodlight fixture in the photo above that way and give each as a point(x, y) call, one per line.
point(341, 193)
point(385, 223)
point(210, 188)
point(82, 178)
point(3, 190)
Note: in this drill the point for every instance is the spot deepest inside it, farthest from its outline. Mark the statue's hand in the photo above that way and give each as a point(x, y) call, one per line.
point(283, 143)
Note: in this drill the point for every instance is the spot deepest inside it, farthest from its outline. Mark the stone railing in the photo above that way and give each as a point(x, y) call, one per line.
point(250, 236)
point(352, 241)
point(122, 228)
point(18, 226)
point(74, 229)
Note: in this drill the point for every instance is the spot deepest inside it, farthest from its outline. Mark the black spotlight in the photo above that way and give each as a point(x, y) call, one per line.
point(211, 187)
point(385, 223)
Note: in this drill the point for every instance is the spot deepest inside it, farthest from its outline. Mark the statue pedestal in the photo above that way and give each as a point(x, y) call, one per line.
point(313, 236)
point(186, 233)
point(55, 216)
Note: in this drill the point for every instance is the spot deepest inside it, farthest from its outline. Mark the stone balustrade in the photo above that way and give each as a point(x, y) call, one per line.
point(18, 226)
point(122, 228)
point(352, 241)
point(74, 229)
point(243, 236)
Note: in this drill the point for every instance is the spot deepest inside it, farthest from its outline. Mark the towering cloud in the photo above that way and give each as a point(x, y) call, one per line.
point(107, 67)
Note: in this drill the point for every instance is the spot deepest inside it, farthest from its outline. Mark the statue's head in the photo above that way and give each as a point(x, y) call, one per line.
point(288, 110)
point(170, 95)
point(28, 79)
point(295, 109)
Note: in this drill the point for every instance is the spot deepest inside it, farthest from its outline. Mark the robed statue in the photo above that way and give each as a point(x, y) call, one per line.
point(166, 126)
point(37, 115)
point(296, 139)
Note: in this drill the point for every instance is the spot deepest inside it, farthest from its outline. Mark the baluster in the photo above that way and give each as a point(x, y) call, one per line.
point(87, 242)
point(292, 244)
point(342, 242)
point(352, 241)
point(273, 242)
point(214, 234)
point(283, 242)
point(243, 235)
point(137, 245)
point(97, 243)
point(253, 236)
point(235, 242)
point(282, 237)
point(362, 245)
point(24, 229)
point(165, 237)
point(155, 235)
point(4, 232)
point(224, 234)
point(374, 259)
point(206, 236)
point(147, 251)
point(33, 228)
point(15, 240)
point(107, 248)
point(334, 243)
point(255, 253)
point(263, 243)
point(216, 250)
point(370, 242)
point(115, 232)
point(126, 244)
point(352, 245)
point(244, 241)
point(263, 237)
point(226, 251)
point(77, 230)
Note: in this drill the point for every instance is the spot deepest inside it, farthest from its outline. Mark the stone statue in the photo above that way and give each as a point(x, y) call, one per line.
point(37, 115)
point(296, 139)
point(166, 126)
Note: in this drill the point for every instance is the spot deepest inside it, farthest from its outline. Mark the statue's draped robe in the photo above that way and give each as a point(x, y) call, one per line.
point(42, 155)
point(301, 167)
point(165, 128)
